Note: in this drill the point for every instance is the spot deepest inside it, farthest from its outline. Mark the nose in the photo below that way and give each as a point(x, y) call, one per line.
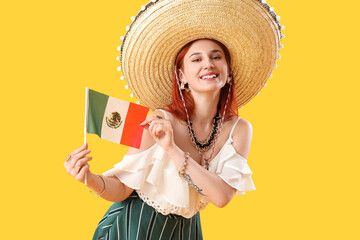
point(208, 63)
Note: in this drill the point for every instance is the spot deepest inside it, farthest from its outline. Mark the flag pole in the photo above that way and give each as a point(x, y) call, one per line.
point(86, 121)
point(86, 112)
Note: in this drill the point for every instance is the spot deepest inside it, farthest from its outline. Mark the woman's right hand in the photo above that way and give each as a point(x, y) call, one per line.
point(160, 129)
point(77, 163)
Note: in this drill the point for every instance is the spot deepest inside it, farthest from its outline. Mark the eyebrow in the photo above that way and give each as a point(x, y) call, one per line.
point(197, 53)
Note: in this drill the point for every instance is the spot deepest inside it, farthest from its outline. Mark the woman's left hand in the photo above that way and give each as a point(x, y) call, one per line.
point(161, 130)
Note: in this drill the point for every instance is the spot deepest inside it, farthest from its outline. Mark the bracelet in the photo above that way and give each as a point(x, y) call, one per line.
point(182, 171)
point(97, 195)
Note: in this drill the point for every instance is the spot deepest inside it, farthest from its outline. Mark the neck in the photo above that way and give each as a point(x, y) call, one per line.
point(205, 108)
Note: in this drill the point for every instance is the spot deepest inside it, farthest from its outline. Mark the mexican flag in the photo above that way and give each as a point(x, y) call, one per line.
point(113, 119)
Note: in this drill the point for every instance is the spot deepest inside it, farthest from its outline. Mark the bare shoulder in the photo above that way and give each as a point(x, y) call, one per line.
point(147, 140)
point(242, 137)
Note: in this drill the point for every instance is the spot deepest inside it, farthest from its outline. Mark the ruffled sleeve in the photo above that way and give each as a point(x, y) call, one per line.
point(153, 173)
point(234, 170)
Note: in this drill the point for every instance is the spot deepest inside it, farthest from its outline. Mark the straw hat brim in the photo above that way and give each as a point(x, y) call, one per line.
point(158, 33)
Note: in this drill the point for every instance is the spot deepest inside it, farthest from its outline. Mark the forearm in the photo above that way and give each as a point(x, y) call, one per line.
point(205, 182)
point(115, 190)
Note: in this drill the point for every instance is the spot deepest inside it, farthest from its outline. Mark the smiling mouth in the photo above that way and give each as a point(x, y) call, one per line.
point(209, 76)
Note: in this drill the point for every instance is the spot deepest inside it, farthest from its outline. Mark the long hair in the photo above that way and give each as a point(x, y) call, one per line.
point(177, 107)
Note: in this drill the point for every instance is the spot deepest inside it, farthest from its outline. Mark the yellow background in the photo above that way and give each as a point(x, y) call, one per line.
point(304, 153)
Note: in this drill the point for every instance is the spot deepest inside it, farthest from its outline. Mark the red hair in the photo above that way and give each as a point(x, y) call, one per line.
point(177, 107)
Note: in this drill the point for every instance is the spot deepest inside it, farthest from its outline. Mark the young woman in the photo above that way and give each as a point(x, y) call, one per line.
point(194, 149)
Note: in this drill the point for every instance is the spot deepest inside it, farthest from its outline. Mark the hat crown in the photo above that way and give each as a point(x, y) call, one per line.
point(248, 28)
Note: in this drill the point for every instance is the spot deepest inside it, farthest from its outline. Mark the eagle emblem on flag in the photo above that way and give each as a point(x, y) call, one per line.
point(114, 120)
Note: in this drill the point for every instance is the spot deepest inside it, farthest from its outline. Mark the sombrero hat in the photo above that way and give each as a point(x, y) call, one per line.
point(250, 30)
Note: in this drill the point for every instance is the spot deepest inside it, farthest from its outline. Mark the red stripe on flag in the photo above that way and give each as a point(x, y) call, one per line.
point(132, 132)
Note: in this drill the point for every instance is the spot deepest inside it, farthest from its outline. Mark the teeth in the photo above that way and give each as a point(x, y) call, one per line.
point(209, 76)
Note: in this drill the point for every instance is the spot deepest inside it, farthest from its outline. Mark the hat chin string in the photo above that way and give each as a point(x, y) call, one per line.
point(189, 124)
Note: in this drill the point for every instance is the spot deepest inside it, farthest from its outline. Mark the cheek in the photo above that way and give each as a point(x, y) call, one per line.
point(225, 70)
point(224, 67)
point(190, 70)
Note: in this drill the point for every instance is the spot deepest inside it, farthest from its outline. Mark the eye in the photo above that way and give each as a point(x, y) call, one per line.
point(217, 57)
point(196, 60)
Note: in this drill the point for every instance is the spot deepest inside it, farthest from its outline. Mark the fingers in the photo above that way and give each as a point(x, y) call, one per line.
point(71, 155)
point(81, 175)
point(85, 146)
point(77, 160)
point(79, 156)
point(158, 129)
point(147, 121)
point(77, 163)
point(161, 130)
point(81, 163)
point(151, 128)
point(79, 168)
point(151, 119)
point(155, 128)
point(75, 168)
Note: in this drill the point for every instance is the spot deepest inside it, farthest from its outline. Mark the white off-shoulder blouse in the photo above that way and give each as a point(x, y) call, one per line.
point(155, 178)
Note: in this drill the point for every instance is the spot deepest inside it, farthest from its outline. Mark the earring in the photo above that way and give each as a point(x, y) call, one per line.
point(187, 89)
point(182, 86)
point(228, 80)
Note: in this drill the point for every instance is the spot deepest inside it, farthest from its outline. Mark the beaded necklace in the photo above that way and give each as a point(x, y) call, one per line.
point(191, 132)
point(206, 144)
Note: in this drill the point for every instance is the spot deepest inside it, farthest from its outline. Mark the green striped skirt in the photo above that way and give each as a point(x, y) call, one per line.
point(133, 219)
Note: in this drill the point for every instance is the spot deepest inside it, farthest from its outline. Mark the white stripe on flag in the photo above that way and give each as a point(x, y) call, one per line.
point(114, 105)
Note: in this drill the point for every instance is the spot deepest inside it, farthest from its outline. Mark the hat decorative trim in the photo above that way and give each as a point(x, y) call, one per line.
point(254, 53)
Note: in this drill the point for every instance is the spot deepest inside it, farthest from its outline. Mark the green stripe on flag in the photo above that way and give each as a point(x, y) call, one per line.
point(97, 106)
